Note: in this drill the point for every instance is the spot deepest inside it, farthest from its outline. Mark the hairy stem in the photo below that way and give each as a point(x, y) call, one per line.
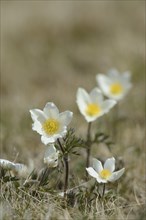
point(88, 142)
point(103, 192)
point(66, 165)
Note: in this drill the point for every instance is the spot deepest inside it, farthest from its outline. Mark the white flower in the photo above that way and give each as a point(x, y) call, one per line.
point(16, 168)
point(20, 169)
point(51, 156)
point(93, 105)
point(6, 164)
point(114, 85)
point(49, 123)
point(104, 174)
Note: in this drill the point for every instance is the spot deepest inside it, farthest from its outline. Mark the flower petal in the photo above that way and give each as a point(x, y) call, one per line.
point(37, 114)
point(113, 73)
point(110, 164)
point(104, 83)
point(47, 140)
point(51, 110)
point(50, 149)
point(96, 96)
point(97, 165)
point(51, 156)
point(6, 164)
point(65, 117)
point(36, 126)
point(107, 105)
point(82, 99)
point(92, 172)
point(116, 175)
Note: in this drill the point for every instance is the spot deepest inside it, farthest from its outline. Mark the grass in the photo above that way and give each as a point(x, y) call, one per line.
point(50, 51)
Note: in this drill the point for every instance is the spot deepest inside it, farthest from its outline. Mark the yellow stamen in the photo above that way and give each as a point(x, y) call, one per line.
point(93, 109)
point(51, 126)
point(105, 174)
point(116, 88)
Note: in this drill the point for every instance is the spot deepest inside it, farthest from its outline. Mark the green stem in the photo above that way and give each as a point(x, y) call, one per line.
point(88, 142)
point(66, 164)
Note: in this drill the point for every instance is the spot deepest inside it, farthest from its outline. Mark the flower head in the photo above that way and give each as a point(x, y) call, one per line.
point(17, 168)
point(49, 123)
point(51, 156)
point(6, 164)
point(104, 174)
point(93, 105)
point(114, 85)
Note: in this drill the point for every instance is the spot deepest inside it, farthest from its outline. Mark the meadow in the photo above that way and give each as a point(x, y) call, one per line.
point(48, 50)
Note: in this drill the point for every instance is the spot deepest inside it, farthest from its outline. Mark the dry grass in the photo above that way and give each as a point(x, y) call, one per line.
point(49, 49)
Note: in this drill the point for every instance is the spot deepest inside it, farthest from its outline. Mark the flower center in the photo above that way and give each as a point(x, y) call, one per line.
point(51, 126)
point(116, 88)
point(93, 109)
point(105, 174)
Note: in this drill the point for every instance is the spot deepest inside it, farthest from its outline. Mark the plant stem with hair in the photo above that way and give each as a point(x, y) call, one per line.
point(103, 192)
point(65, 158)
point(88, 142)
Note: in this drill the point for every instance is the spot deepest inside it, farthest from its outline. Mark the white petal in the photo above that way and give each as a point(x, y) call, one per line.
point(6, 164)
point(21, 169)
point(36, 126)
point(82, 99)
point(96, 96)
point(92, 172)
point(38, 115)
point(113, 73)
point(104, 83)
point(51, 156)
point(107, 105)
point(116, 175)
point(50, 110)
point(50, 149)
point(89, 118)
point(97, 165)
point(47, 140)
point(65, 117)
point(110, 164)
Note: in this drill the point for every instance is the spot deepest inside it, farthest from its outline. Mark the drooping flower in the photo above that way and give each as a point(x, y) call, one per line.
point(114, 85)
point(49, 123)
point(6, 164)
point(51, 156)
point(93, 105)
point(104, 174)
point(17, 168)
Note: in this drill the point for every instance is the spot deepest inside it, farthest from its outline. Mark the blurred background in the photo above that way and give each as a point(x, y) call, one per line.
point(50, 48)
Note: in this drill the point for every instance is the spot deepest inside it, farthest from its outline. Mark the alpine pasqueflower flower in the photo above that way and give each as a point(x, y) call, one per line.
point(51, 156)
point(92, 105)
point(104, 174)
point(49, 123)
point(114, 85)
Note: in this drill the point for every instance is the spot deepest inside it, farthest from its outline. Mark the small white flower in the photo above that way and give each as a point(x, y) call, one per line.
point(17, 168)
point(20, 169)
point(6, 164)
point(104, 174)
point(114, 85)
point(51, 156)
point(93, 105)
point(49, 123)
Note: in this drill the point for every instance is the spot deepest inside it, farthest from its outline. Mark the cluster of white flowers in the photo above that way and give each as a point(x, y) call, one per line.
point(51, 124)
